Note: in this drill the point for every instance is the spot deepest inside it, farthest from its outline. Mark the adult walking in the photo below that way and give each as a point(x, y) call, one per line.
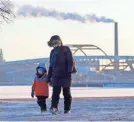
point(59, 74)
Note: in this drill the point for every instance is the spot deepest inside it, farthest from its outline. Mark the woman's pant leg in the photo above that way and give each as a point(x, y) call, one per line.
point(55, 96)
point(67, 98)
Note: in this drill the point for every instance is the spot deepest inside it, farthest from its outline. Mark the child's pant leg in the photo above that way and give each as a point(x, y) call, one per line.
point(41, 100)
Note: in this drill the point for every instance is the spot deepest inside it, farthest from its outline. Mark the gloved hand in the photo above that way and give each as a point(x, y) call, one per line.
point(32, 93)
point(49, 82)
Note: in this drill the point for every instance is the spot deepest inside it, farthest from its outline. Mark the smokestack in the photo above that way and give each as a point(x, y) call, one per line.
point(116, 61)
point(115, 39)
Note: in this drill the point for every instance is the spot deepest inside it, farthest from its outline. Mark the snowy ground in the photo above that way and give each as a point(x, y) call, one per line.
point(100, 104)
point(99, 109)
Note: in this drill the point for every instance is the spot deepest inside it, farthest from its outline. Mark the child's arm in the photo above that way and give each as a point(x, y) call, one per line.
point(33, 86)
point(33, 89)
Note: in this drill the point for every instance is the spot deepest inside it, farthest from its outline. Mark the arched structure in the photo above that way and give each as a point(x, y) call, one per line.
point(82, 47)
point(123, 61)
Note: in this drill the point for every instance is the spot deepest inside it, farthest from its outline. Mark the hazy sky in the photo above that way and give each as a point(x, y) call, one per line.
point(27, 38)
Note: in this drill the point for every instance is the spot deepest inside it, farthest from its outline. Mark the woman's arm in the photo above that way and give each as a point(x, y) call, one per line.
point(50, 67)
point(70, 60)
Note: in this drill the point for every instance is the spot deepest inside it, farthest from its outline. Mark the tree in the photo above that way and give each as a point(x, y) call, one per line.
point(6, 11)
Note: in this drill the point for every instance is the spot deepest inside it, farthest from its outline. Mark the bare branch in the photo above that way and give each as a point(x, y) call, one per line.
point(6, 12)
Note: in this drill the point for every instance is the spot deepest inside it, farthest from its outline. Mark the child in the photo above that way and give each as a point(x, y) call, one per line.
point(40, 87)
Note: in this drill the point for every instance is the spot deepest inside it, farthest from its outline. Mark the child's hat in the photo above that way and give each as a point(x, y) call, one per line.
point(41, 70)
point(41, 66)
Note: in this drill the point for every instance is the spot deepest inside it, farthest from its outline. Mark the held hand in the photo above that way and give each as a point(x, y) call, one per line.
point(49, 82)
point(32, 93)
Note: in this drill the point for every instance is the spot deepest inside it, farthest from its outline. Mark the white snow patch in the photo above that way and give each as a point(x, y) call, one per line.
point(15, 92)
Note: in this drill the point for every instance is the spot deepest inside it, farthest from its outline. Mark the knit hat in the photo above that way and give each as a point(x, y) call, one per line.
point(41, 66)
